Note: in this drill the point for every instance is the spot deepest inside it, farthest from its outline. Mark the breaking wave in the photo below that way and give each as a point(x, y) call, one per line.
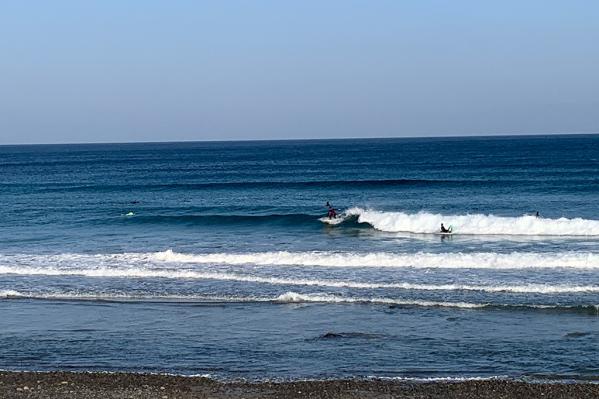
point(235, 277)
point(475, 224)
point(294, 297)
point(94, 263)
point(288, 297)
point(457, 260)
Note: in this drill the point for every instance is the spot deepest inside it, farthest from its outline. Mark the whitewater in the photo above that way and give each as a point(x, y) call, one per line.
point(474, 224)
point(11, 263)
point(460, 260)
point(190, 274)
point(290, 297)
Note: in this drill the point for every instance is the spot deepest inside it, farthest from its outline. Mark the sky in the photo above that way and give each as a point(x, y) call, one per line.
point(122, 71)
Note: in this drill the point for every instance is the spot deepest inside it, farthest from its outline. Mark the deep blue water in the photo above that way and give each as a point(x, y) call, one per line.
point(217, 258)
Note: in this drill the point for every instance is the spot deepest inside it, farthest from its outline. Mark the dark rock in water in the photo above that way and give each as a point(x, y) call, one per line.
point(576, 334)
point(451, 318)
point(331, 335)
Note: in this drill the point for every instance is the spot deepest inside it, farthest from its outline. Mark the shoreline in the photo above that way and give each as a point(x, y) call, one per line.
point(92, 385)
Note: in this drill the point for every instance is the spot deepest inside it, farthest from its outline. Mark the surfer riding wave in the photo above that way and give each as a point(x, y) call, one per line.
point(331, 212)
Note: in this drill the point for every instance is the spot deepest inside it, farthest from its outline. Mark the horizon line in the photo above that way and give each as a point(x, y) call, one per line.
point(495, 135)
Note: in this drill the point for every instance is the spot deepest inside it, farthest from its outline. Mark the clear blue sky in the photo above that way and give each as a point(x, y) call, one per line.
point(117, 70)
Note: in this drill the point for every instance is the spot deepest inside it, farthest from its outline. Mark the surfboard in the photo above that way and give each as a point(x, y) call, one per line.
point(333, 221)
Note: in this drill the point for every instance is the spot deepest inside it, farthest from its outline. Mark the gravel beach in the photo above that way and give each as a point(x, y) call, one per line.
point(126, 385)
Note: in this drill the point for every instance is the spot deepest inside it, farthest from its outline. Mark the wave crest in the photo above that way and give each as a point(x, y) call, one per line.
point(475, 224)
point(140, 273)
point(456, 260)
point(289, 297)
point(158, 261)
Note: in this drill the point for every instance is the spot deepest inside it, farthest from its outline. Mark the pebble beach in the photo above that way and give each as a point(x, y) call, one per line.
point(128, 385)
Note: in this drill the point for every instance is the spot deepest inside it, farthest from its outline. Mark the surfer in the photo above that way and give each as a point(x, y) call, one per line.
point(331, 212)
point(444, 230)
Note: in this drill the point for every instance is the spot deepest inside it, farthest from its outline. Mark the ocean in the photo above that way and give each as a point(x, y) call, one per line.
point(217, 258)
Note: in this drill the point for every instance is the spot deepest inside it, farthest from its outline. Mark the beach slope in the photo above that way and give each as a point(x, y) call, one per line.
point(126, 385)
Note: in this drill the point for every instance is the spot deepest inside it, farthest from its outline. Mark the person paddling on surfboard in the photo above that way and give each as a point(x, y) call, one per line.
point(444, 230)
point(331, 213)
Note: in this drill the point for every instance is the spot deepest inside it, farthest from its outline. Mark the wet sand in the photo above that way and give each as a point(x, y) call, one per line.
point(125, 385)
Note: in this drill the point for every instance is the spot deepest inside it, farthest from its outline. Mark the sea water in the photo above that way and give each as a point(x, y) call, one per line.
point(217, 258)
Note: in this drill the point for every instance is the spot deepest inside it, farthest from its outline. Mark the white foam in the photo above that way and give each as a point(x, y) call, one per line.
point(457, 260)
point(104, 264)
point(334, 221)
point(478, 224)
point(190, 274)
point(440, 379)
point(294, 297)
point(10, 294)
point(288, 297)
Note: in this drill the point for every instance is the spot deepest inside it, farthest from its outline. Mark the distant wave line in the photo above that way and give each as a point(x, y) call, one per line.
point(458, 260)
point(290, 218)
point(291, 297)
point(420, 260)
point(275, 184)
